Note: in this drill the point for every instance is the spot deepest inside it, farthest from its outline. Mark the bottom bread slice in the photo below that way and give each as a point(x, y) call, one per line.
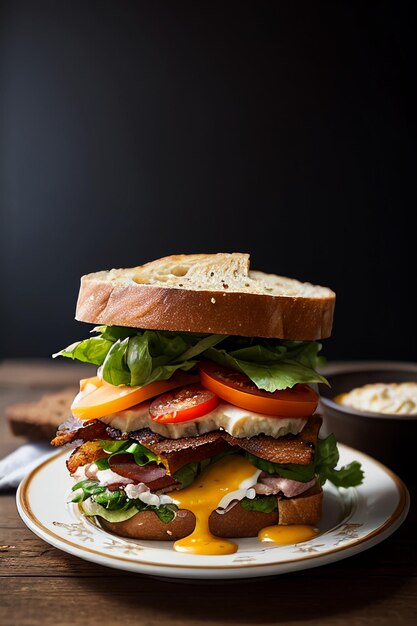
point(237, 522)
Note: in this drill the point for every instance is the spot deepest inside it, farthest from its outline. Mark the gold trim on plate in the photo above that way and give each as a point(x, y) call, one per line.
point(25, 505)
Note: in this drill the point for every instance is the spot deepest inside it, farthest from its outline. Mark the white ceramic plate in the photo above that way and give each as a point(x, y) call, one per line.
point(353, 520)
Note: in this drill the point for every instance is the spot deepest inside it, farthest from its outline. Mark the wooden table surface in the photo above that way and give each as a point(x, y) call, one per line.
point(42, 585)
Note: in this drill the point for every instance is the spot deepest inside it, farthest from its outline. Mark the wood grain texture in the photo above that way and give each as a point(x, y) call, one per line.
point(40, 585)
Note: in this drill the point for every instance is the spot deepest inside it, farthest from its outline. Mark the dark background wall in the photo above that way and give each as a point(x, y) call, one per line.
point(132, 130)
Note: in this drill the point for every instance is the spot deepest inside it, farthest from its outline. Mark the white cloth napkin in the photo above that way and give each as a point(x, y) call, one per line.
point(15, 466)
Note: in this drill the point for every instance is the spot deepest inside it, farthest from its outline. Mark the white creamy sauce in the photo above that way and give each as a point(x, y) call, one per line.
point(143, 493)
point(392, 398)
point(73, 494)
point(108, 477)
point(79, 473)
point(251, 493)
point(245, 487)
point(235, 421)
point(103, 477)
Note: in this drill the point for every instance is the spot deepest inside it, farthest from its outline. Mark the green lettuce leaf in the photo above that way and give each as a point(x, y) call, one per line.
point(101, 495)
point(87, 488)
point(263, 504)
point(187, 473)
point(140, 455)
point(130, 356)
point(112, 500)
point(272, 366)
point(90, 508)
point(326, 459)
point(102, 463)
point(165, 512)
point(92, 350)
point(113, 333)
point(201, 346)
point(115, 506)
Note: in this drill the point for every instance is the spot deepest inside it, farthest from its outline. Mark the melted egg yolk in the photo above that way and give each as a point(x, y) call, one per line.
point(283, 535)
point(203, 497)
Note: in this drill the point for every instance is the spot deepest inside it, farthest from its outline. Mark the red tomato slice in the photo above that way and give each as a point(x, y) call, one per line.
point(238, 389)
point(97, 398)
point(184, 404)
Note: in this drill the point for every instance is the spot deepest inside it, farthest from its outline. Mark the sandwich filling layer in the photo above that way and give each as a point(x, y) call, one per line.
point(213, 436)
point(119, 475)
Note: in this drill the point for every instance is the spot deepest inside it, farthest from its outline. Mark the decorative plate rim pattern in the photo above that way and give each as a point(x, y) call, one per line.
point(64, 527)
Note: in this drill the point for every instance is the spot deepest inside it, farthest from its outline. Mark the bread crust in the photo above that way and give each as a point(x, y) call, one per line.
point(147, 525)
point(304, 509)
point(39, 420)
point(237, 522)
point(156, 307)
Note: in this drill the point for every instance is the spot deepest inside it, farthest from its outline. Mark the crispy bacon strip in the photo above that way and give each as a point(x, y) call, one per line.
point(89, 452)
point(73, 429)
point(298, 449)
point(178, 452)
point(162, 445)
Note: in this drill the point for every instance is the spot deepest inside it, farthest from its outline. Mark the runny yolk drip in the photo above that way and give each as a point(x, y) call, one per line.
point(203, 497)
point(283, 535)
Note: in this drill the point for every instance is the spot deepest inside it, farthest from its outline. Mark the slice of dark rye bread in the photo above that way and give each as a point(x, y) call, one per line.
point(207, 293)
point(40, 419)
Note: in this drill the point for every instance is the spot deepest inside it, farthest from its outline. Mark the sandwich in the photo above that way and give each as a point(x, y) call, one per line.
point(200, 425)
